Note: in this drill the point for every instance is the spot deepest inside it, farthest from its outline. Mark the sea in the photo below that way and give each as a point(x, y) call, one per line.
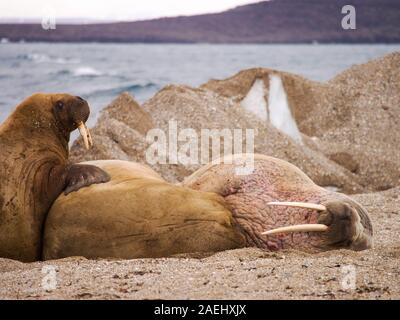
point(100, 72)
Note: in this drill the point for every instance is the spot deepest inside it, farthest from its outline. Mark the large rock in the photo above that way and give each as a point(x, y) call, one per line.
point(118, 134)
point(351, 119)
point(341, 133)
point(199, 109)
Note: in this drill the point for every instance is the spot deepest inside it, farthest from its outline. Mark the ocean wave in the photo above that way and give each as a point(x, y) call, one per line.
point(79, 72)
point(42, 58)
point(129, 88)
point(86, 72)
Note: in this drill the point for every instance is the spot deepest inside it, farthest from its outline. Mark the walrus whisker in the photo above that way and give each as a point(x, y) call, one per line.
point(298, 228)
point(306, 205)
point(87, 138)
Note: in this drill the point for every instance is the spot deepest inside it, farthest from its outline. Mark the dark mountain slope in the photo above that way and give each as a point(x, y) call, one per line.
point(280, 21)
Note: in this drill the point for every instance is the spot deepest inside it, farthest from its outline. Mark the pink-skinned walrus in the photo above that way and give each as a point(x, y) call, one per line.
point(137, 214)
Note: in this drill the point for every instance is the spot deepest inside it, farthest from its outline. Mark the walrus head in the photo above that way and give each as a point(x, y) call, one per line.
point(340, 224)
point(278, 206)
point(72, 113)
point(63, 113)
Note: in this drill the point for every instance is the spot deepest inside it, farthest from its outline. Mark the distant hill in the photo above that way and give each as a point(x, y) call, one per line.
point(276, 21)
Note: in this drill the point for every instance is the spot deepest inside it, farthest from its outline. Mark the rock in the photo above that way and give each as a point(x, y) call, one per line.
point(336, 132)
point(353, 116)
point(118, 134)
point(199, 109)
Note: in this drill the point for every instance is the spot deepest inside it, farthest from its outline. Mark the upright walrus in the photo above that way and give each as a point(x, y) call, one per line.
point(35, 170)
point(138, 214)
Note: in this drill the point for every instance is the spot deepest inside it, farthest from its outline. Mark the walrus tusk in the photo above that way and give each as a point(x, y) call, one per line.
point(89, 137)
point(85, 133)
point(298, 228)
point(306, 205)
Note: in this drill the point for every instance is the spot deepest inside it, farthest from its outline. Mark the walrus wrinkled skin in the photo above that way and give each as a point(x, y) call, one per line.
point(137, 214)
point(35, 170)
point(272, 179)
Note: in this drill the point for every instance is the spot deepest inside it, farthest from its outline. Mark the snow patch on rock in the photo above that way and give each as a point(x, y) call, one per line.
point(280, 115)
point(255, 100)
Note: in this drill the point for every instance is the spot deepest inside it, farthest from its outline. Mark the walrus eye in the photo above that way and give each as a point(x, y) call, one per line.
point(60, 105)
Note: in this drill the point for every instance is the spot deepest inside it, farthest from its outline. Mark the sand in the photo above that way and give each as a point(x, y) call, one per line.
point(247, 273)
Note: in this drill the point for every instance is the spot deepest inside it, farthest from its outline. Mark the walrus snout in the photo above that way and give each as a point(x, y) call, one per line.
point(79, 111)
point(348, 226)
point(341, 224)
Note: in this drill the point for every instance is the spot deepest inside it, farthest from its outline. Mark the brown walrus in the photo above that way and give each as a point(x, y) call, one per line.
point(137, 214)
point(35, 170)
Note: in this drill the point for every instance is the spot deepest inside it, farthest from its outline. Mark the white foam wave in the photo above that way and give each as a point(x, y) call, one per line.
point(86, 71)
point(42, 58)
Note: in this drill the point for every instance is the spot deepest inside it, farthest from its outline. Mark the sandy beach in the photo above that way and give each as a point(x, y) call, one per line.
point(247, 273)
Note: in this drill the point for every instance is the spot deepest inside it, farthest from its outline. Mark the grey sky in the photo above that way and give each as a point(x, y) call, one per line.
point(111, 10)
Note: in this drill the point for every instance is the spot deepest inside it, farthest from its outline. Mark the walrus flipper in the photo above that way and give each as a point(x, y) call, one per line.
point(83, 175)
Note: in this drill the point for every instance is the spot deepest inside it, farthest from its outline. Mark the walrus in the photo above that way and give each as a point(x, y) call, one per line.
point(35, 170)
point(138, 214)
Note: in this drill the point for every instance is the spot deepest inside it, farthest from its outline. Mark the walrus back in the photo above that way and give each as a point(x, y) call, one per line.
point(137, 214)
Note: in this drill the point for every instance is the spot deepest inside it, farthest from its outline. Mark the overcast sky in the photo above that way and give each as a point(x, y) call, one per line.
point(111, 9)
